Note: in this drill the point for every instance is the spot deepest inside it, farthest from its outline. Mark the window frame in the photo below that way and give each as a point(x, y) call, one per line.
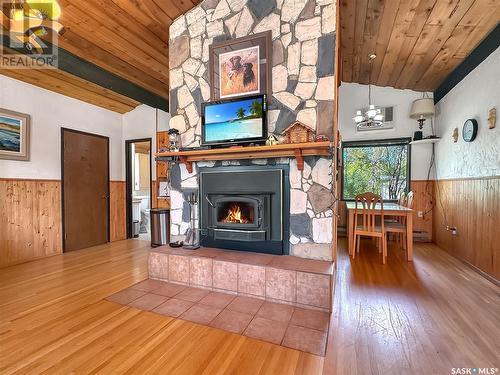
point(405, 141)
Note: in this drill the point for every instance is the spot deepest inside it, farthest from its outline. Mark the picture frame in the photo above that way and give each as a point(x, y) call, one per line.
point(164, 189)
point(14, 135)
point(241, 67)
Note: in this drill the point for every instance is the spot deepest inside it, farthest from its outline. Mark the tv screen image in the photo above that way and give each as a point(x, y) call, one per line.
point(230, 121)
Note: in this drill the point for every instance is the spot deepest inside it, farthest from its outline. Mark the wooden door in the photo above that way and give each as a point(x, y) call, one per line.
point(85, 182)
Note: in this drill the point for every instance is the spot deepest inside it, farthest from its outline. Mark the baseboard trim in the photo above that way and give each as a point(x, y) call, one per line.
point(474, 268)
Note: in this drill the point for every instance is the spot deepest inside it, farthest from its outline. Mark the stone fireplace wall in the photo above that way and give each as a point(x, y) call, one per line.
point(303, 33)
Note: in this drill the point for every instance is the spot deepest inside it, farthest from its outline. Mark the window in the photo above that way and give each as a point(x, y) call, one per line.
point(382, 167)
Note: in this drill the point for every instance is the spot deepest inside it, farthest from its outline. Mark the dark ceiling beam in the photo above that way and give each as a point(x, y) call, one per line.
point(476, 57)
point(83, 69)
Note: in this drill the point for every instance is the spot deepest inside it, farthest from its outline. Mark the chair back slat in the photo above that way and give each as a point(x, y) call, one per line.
point(368, 202)
point(409, 200)
point(402, 199)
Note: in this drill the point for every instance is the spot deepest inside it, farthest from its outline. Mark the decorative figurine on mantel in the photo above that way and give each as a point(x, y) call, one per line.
point(322, 138)
point(271, 140)
point(173, 140)
point(299, 133)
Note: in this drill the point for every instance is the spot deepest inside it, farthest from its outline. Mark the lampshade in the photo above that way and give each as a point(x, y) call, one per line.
point(371, 111)
point(422, 108)
point(358, 118)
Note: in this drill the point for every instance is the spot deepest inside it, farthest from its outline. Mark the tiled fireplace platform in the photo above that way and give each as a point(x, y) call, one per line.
point(294, 327)
point(283, 279)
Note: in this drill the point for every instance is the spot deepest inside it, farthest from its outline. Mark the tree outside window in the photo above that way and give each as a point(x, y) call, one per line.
point(381, 167)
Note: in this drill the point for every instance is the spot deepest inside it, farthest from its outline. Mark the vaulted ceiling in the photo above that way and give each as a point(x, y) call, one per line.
point(128, 38)
point(417, 42)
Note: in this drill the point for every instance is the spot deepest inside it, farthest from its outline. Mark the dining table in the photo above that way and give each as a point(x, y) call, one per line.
point(390, 209)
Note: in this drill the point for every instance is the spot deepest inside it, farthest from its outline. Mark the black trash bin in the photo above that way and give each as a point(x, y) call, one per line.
point(160, 226)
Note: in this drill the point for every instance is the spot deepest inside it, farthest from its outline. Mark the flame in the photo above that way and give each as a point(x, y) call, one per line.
point(235, 215)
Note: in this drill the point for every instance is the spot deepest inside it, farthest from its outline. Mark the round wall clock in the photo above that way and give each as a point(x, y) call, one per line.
point(469, 130)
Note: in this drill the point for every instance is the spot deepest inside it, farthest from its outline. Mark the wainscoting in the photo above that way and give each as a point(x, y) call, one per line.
point(30, 218)
point(423, 195)
point(117, 216)
point(473, 206)
point(30, 225)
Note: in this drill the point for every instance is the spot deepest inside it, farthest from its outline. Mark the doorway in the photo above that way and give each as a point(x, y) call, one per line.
point(85, 189)
point(138, 180)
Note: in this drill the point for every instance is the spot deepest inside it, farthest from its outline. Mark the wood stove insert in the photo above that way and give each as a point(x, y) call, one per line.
point(245, 208)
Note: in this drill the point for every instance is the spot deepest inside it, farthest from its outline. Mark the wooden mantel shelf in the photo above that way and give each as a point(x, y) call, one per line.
point(297, 150)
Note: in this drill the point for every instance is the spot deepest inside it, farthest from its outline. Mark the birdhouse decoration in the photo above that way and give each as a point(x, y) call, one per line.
point(299, 133)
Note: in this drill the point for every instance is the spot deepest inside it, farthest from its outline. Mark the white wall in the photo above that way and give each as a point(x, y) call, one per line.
point(471, 98)
point(353, 96)
point(142, 123)
point(49, 112)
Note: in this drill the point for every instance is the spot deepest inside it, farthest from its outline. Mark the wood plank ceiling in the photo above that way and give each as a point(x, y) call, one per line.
point(417, 42)
point(128, 38)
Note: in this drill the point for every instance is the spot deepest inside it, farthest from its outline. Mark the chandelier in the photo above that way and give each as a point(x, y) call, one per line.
point(370, 117)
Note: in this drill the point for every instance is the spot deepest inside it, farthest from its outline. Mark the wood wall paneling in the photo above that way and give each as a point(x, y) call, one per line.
point(473, 207)
point(163, 203)
point(162, 172)
point(417, 42)
point(30, 218)
point(336, 140)
point(159, 202)
point(30, 225)
point(423, 200)
point(117, 202)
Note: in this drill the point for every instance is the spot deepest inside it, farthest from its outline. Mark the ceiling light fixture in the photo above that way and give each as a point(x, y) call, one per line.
point(372, 117)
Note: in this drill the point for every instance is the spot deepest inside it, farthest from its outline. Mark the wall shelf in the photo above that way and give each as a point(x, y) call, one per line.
point(297, 150)
point(424, 141)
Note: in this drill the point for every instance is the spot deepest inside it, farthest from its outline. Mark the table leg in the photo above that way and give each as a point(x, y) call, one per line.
point(409, 236)
point(350, 231)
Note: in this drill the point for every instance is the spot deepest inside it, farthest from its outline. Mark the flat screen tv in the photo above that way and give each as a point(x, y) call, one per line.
point(234, 121)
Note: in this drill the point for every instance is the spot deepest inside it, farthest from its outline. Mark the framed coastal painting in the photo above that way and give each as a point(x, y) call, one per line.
point(240, 67)
point(14, 135)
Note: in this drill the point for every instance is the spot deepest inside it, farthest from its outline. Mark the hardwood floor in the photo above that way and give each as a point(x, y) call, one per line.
point(425, 317)
point(53, 320)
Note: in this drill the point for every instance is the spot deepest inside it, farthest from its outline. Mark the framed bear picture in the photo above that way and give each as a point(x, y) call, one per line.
point(240, 67)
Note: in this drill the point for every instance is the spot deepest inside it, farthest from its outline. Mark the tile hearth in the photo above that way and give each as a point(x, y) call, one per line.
point(276, 278)
point(294, 327)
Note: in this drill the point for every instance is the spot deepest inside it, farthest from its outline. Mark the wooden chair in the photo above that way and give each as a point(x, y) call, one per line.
point(367, 226)
point(399, 227)
point(409, 200)
point(402, 202)
point(402, 199)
